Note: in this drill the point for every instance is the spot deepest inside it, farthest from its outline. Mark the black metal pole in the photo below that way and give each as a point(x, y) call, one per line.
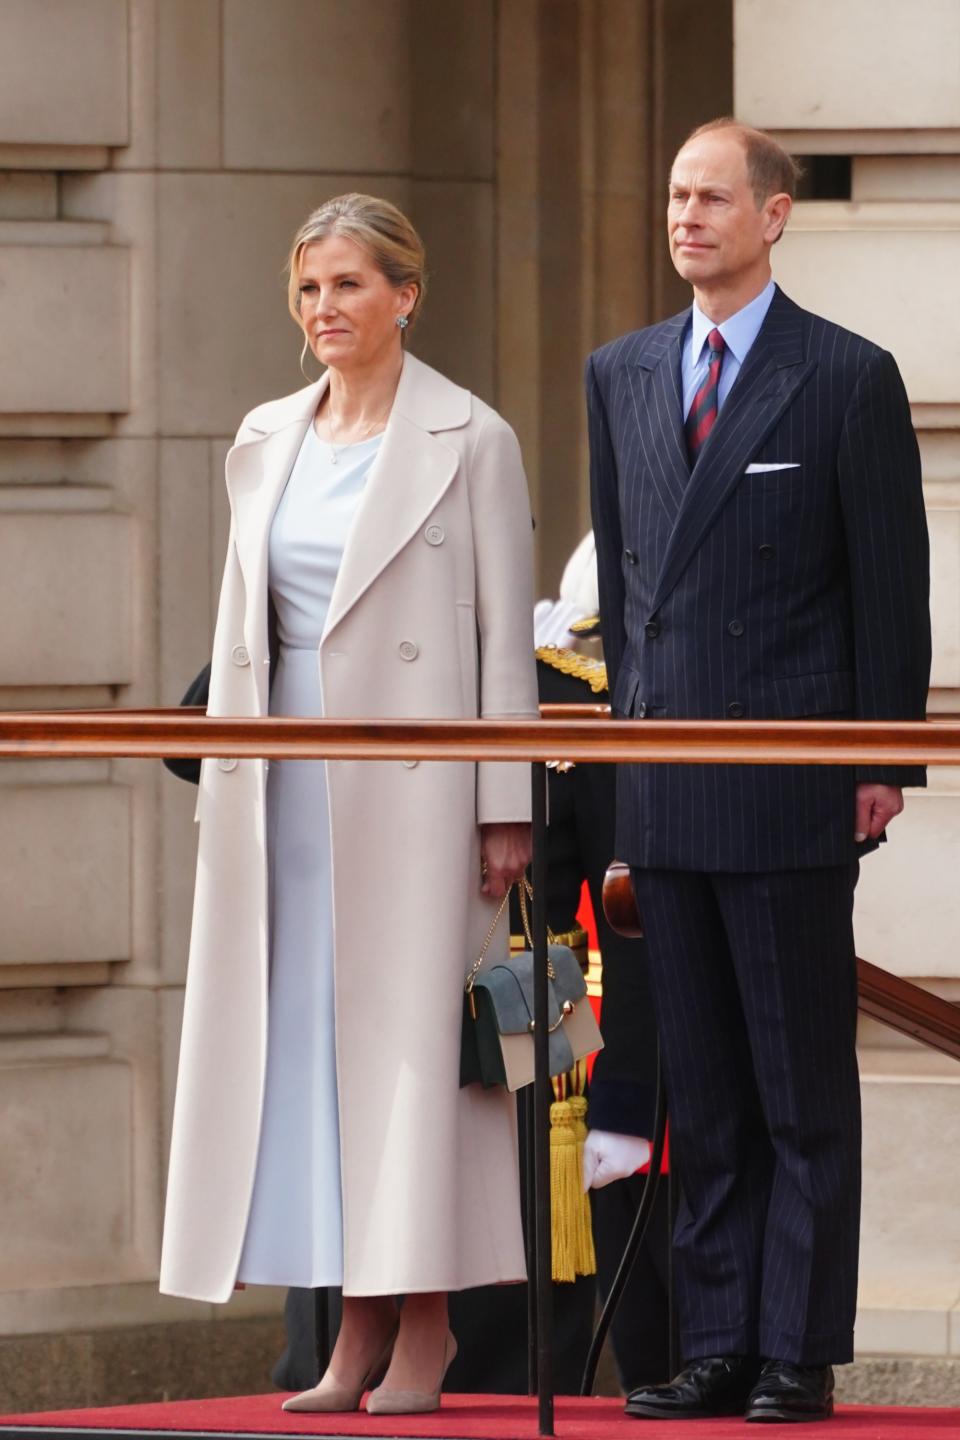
point(673, 1205)
point(530, 1219)
point(542, 1097)
point(635, 1239)
point(321, 1320)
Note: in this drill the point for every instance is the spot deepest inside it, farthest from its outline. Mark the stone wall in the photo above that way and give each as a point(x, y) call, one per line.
point(155, 158)
point(877, 81)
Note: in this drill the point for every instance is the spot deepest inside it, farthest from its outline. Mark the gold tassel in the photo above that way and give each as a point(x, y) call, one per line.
point(564, 1187)
point(585, 1259)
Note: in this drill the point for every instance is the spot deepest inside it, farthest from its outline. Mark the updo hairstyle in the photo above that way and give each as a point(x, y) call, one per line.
point(380, 229)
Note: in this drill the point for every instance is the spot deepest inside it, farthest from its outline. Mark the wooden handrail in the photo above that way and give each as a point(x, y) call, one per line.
point(909, 1009)
point(759, 742)
point(188, 732)
point(895, 1002)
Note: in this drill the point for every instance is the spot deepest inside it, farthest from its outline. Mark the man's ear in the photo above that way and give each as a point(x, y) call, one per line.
point(777, 208)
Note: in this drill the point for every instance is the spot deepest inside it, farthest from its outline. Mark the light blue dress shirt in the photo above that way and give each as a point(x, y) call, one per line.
point(739, 333)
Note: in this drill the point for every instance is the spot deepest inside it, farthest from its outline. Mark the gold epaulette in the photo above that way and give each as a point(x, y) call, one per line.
point(588, 626)
point(568, 662)
point(576, 939)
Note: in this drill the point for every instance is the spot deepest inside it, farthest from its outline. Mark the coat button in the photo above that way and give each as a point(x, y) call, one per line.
point(630, 557)
point(408, 650)
point(652, 629)
point(409, 764)
point(225, 764)
point(735, 627)
point(766, 552)
point(433, 534)
point(735, 710)
point(641, 710)
point(240, 655)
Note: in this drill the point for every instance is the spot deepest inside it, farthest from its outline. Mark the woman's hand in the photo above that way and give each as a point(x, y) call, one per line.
point(506, 849)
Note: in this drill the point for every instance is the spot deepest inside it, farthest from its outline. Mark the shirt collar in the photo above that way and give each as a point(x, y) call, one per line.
point(739, 332)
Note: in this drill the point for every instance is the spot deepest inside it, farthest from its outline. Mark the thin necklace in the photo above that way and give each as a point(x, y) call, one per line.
point(334, 451)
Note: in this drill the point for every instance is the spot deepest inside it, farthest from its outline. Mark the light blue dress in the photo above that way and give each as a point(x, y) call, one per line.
point(295, 1231)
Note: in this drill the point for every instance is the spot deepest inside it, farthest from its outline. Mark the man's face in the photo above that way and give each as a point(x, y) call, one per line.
point(717, 234)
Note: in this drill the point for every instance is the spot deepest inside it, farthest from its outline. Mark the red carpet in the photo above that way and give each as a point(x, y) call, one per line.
point(483, 1417)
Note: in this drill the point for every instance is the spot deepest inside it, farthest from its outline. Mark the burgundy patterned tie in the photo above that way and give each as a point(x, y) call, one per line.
point(703, 411)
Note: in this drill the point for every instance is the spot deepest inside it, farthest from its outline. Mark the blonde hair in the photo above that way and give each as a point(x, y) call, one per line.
point(380, 229)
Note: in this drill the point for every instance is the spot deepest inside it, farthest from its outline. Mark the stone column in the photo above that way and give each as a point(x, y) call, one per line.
point(593, 100)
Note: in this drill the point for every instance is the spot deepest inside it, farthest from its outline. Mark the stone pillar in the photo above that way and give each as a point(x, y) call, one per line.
point(877, 81)
point(593, 100)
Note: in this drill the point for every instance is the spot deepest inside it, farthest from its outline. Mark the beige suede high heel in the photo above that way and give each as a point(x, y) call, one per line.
point(412, 1402)
point(331, 1396)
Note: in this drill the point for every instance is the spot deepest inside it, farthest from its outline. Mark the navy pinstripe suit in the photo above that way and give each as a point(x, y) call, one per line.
point(788, 593)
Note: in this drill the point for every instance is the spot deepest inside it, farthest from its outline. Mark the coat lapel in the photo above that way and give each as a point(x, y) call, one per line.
point(257, 471)
point(773, 372)
point(412, 471)
point(654, 378)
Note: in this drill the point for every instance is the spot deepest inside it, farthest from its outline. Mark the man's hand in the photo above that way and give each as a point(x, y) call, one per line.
point(876, 807)
point(506, 848)
point(609, 1157)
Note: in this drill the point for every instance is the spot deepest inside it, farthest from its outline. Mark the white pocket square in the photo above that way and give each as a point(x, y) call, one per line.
point(762, 469)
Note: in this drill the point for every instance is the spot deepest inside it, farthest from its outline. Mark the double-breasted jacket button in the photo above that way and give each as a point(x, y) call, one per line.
point(766, 552)
point(433, 534)
point(630, 557)
point(735, 710)
point(652, 629)
point(240, 655)
point(409, 764)
point(227, 764)
point(408, 650)
point(735, 627)
point(641, 710)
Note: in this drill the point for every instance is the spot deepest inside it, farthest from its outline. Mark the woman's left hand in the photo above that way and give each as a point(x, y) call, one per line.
point(506, 849)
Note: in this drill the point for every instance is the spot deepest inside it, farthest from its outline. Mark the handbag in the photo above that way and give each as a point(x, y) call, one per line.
point(198, 693)
point(496, 1038)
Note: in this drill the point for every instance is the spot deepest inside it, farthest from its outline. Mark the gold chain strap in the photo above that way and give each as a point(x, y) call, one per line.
point(526, 892)
point(489, 936)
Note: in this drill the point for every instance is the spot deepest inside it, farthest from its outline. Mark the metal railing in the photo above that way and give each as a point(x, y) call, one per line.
point(160, 733)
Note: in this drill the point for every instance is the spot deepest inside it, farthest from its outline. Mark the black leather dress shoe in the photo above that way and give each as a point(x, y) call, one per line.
point(791, 1392)
point(716, 1385)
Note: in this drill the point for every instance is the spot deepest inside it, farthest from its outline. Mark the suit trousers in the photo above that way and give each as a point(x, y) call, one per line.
point(754, 981)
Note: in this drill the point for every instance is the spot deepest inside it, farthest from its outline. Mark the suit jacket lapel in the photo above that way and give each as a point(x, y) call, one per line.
point(773, 372)
point(654, 378)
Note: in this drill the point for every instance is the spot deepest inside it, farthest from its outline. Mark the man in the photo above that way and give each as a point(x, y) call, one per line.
point(762, 553)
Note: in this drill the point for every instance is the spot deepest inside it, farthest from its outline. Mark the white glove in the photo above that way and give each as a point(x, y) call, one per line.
point(609, 1157)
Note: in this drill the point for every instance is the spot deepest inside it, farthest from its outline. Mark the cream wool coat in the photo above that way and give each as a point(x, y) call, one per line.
point(440, 554)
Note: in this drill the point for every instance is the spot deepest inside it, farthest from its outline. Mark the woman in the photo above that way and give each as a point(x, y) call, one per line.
point(379, 564)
